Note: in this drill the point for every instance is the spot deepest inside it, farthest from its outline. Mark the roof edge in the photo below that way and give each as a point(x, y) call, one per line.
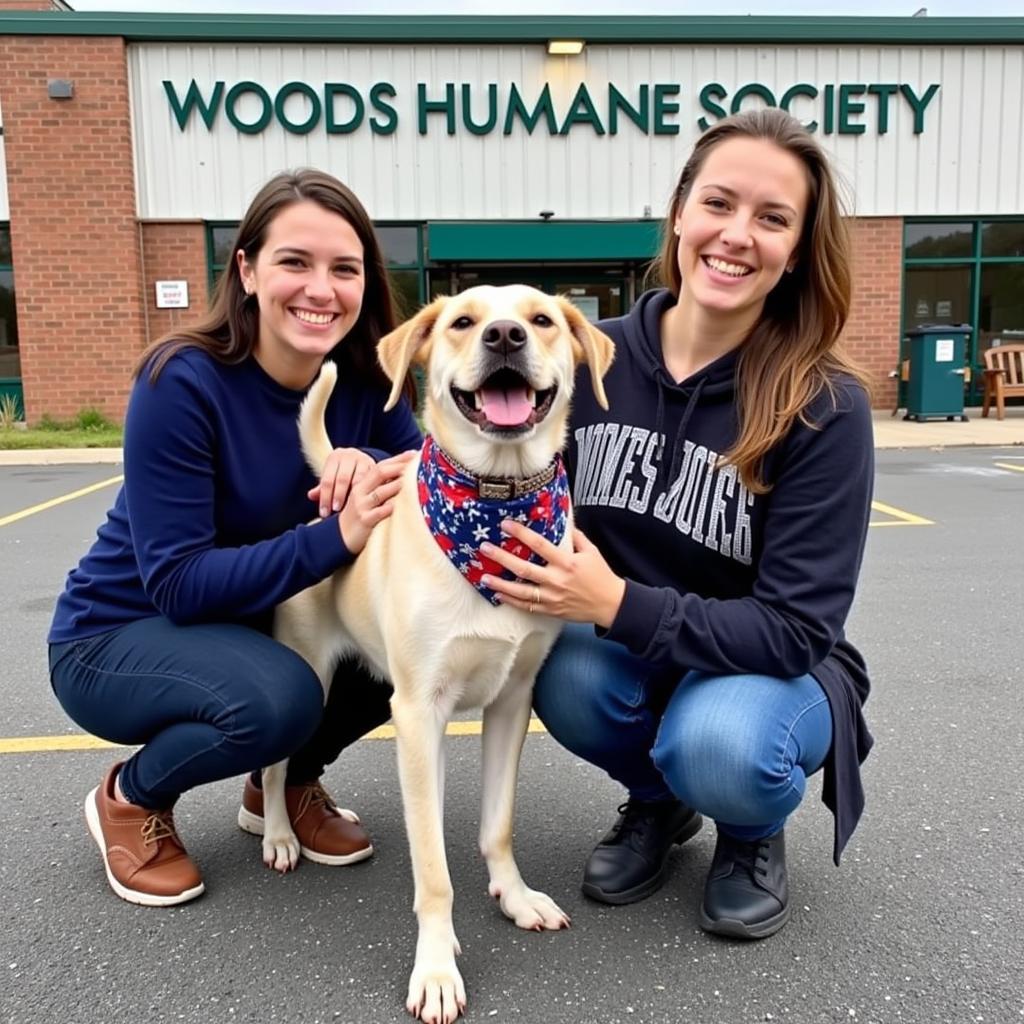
point(496, 29)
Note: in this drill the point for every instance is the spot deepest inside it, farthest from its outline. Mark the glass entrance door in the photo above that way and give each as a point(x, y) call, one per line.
point(599, 292)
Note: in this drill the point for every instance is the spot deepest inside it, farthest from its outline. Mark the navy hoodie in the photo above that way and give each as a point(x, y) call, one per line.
point(720, 580)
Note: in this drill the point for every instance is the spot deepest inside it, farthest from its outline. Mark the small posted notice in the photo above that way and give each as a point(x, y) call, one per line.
point(172, 294)
point(943, 350)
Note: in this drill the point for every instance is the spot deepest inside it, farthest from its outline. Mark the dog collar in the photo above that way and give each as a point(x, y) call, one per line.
point(462, 511)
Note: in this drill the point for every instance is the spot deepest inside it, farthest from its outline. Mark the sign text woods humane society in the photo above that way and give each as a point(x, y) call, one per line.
point(339, 108)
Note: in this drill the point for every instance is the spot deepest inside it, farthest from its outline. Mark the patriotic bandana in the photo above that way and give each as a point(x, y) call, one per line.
point(460, 519)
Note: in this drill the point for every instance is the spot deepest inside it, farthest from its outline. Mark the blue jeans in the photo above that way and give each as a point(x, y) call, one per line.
point(208, 702)
point(736, 748)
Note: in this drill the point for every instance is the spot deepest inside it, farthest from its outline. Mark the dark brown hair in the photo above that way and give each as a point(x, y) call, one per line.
point(231, 327)
point(793, 353)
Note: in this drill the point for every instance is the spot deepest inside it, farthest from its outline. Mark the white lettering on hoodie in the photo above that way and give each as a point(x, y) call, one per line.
point(707, 501)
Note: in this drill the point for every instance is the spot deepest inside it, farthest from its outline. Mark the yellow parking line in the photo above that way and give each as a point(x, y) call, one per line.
point(83, 741)
point(1009, 465)
point(43, 506)
point(900, 518)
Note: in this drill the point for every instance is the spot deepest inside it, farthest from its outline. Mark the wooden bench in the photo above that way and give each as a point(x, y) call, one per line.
point(1004, 376)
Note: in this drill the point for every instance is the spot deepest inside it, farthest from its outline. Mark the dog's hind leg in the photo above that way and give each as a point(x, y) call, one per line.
point(505, 724)
point(437, 993)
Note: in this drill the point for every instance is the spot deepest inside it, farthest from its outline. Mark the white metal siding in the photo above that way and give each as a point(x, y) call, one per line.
point(968, 161)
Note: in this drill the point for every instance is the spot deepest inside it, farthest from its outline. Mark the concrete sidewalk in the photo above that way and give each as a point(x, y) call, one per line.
point(890, 432)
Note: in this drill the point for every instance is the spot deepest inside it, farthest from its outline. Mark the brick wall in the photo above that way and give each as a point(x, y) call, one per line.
point(174, 251)
point(74, 234)
point(29, 5)
point(872, 333)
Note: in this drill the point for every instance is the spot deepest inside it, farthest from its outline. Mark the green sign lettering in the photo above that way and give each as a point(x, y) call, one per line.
point(342, 108)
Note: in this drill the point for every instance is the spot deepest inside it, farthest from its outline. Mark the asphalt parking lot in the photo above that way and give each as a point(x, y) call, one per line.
point(924, 921)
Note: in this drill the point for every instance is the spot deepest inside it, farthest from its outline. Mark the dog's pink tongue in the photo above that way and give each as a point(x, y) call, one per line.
point(505, 408)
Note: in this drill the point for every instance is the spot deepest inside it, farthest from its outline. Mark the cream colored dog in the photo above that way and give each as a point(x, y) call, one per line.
point(500, 365)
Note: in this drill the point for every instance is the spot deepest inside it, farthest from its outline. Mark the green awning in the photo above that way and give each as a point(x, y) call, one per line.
point(543, 241)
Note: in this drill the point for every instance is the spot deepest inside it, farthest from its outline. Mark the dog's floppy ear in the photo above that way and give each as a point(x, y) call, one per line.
point(590, 346)
point(407, 344)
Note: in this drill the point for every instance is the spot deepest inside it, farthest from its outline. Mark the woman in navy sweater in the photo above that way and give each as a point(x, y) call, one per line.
point(161, 637)
point(723, 502)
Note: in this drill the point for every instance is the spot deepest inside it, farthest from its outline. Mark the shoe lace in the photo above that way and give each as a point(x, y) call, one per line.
point(635, 817)
point(159, 825)
point(315, 795)
point(753, 855)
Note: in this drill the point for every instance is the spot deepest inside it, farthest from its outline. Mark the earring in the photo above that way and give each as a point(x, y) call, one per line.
point(675, 230)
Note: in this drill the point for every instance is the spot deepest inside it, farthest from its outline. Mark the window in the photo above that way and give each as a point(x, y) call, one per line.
point(401, 244)
point(966, 271)
point(938, 241)
point(10, 362)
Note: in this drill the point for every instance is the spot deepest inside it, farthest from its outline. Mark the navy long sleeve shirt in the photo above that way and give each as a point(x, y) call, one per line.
point(210, 525)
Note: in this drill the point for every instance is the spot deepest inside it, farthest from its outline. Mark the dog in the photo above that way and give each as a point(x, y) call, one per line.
point(499, 368)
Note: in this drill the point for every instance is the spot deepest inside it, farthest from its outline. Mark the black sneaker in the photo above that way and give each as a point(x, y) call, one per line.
point(631, 861)
point(746, 895)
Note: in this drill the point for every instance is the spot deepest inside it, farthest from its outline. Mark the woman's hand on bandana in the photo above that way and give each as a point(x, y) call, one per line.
point(341, 470)
point(576, 585)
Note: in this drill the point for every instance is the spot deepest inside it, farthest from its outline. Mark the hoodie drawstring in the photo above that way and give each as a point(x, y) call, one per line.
point(677, 444)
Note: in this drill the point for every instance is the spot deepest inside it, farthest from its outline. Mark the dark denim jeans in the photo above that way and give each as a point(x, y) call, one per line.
point(208, 702)
point(737, 748)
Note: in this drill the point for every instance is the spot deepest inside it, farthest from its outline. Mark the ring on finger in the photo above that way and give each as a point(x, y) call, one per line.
point(536, 595)
point(375, 496)
point(532, 608)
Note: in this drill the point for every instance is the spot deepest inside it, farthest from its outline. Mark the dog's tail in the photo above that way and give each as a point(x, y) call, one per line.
point(316, 445)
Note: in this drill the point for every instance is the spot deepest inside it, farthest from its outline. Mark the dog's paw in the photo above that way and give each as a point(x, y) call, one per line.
point(281, 852)
point(530, 909)
point(437, 994)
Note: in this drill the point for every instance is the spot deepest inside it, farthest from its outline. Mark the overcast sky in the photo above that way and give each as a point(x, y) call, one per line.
point(875, 8)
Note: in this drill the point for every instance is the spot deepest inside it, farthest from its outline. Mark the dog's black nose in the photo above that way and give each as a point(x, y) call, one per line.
point(504, 337)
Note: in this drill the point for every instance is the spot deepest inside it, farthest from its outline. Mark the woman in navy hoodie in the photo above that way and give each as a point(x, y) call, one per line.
point(161, 635)
point(722, 504)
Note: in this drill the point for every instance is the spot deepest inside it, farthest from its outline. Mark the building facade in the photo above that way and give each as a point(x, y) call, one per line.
point(131, 145)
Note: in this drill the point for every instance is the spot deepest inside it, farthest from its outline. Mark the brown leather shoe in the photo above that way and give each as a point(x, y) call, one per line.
point(327, 833)
point(145, 860)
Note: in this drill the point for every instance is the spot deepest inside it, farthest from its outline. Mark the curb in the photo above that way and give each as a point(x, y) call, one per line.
point(60, 456)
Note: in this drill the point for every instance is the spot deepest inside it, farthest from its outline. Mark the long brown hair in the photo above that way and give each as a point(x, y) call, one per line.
point(793, 352)
point(231, 327)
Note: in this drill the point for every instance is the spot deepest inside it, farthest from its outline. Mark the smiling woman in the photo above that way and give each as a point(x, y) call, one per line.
point(161, 637)
point(725, 492)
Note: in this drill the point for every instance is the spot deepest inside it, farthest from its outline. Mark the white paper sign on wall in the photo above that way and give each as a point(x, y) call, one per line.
point(172, 294)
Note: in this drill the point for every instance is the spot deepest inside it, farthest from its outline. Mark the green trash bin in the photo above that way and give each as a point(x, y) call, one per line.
point(938, 360)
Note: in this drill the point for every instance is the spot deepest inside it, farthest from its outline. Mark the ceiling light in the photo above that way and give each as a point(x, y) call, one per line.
point(558, 47)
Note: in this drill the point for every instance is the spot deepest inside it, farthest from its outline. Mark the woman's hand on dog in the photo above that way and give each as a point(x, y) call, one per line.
point(576, 585)
point(370, 499)
point(341, 469)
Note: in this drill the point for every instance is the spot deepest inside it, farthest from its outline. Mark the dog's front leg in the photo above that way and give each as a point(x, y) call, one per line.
point(437, 994)
point(504, 729)
point(280, 844)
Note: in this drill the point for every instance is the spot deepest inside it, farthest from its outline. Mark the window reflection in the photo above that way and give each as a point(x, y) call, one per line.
point(938, 241)
point(1003, 238)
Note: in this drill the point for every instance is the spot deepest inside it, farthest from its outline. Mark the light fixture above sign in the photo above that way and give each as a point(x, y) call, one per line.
point(565, 47)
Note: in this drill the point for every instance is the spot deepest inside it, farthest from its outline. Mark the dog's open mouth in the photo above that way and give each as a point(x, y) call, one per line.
point(504, 403)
